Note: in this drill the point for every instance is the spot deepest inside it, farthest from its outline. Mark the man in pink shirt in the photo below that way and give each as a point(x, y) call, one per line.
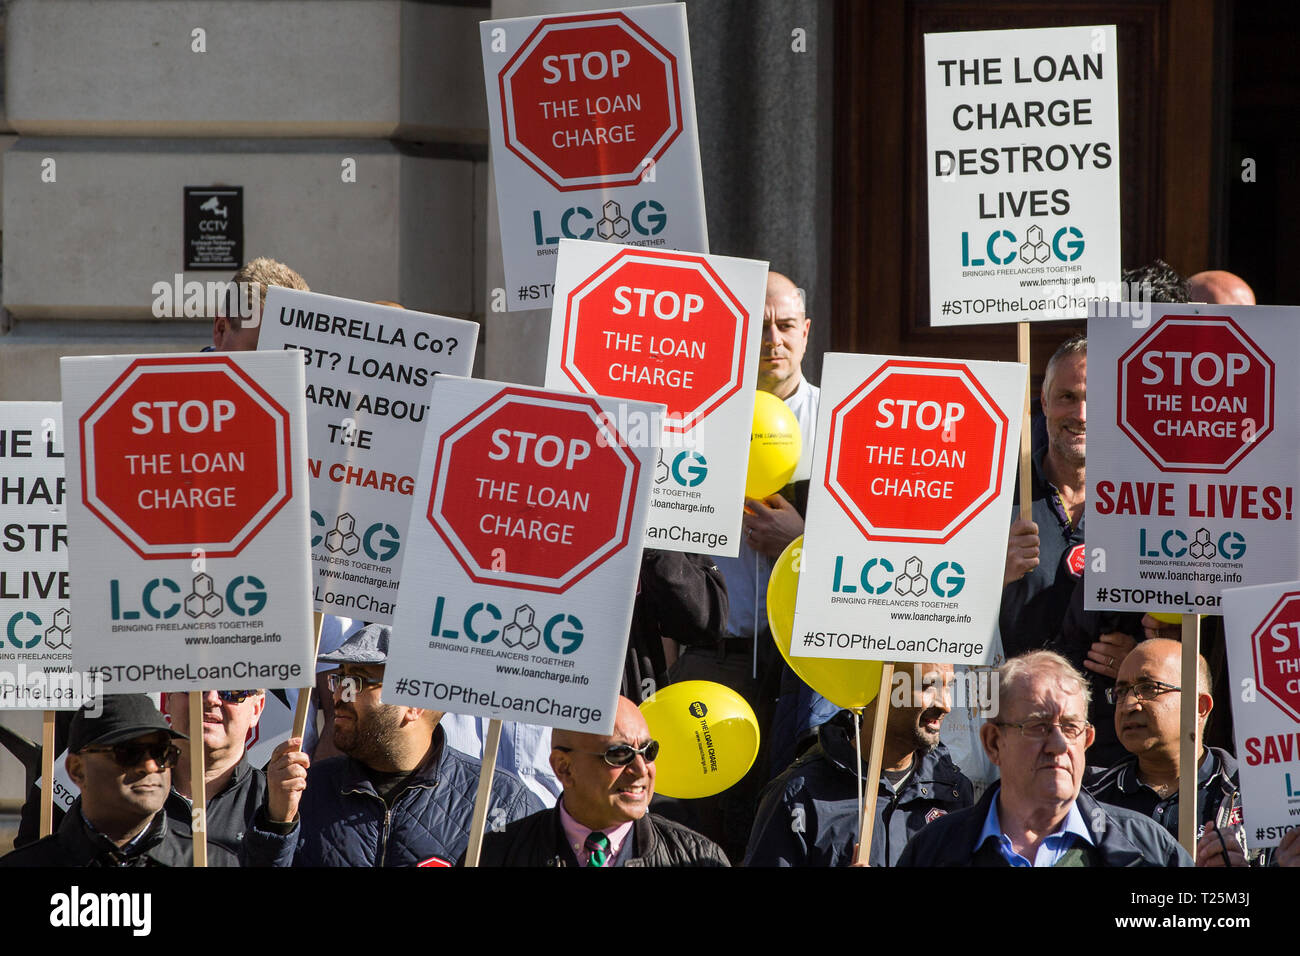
point(602, 818)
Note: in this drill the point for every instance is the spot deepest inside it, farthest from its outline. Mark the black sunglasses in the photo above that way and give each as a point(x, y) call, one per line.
point(132, 753)
point(236, 696)
point(620, 755)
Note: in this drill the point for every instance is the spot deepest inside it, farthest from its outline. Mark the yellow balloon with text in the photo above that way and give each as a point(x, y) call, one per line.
point(708, 738)
point(848, 683)
point(775, 444)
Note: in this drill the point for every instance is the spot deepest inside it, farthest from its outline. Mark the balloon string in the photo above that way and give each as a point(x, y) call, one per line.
point(857, 740)
point(753, 664)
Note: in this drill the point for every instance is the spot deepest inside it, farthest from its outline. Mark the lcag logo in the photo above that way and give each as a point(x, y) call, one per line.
point(162, 598)
point(1201, 546)
point(648, 218)
point(1002, 247)
point(380, 541)
point(877, 576)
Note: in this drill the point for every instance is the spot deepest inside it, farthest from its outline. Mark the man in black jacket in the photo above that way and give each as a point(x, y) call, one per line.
point(1036, 816)
point(1147, 699)
point(809, 814)
point(602, 817)
point(121, 760)
point(233, 789)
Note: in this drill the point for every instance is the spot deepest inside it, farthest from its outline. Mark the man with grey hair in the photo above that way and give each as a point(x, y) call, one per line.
point(1037, 815)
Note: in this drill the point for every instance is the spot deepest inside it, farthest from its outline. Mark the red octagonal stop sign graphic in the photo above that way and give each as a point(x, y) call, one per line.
point(533, 489)
point(656, 327)
point(181, 453)
point(1195, 394)
point(916, 451)
point(590, 101)
point(1275, 647)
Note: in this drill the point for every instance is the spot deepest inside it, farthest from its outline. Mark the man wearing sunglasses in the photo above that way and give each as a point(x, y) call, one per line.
point(1147, 698)
point(399, 797)
point(233, 788)
point(602, 818)
point(1037, 815)
point(121, 760)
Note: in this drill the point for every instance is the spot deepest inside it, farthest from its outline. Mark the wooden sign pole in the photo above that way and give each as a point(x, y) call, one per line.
point(304, 693)
point(481, 799)
point(47, 773)
point(1026, 438)
point(199, 811)
point(868, 824)
point(1188, 748)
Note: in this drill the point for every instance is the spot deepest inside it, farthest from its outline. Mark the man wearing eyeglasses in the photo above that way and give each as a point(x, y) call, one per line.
point(233, 788)
point(121, 760)
point(1036, 814)
point(1147, 700)
point(602, 818)
point(399, 797)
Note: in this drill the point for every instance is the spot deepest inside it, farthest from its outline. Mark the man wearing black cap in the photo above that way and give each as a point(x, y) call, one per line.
point(121, 760)
point(400, 796)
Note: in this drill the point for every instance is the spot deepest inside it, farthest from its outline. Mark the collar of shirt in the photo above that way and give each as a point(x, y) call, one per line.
point(576, 834)
point(1052, 847)
point(1129, 782)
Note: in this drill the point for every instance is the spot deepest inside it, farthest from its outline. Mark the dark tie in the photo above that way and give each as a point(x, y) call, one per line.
point(597, 844)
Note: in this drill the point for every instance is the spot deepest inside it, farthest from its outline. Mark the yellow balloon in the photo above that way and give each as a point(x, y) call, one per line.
point(848, 683)
point(1165, 618)
point(775, 444)
point(708, 738)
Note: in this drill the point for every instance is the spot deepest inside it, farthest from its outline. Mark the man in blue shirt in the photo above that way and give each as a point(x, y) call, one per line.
point(1036, 815)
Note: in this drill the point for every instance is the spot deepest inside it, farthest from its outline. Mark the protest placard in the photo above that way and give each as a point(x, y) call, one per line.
point(369, 369)
point(683, 331)
point(907, 514)
point(531, 507)
point(593, 137)
point(187, 500)
point(1191, 470)
point(1023, 173)
point(36, 641)
point(1262, 627)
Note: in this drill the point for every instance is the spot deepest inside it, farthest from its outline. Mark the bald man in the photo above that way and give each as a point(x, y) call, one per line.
point(1220, 288)
point(1147, 698)
point(745, 658)
point(603, 816)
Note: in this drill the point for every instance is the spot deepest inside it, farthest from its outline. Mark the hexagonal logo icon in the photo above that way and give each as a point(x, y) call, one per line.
point(181, 453)
point(916, 452)
point(1196, 394)
point(58, 634)
point(1275, 648)
point(656, 327)
point(521, 631)
point(552, 485)
point(344, 536)
point(590, 101)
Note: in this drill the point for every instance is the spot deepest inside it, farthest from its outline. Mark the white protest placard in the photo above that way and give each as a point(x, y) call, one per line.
point(530, 507)
point(369, 369)
point(35, 628)
point(913, 472)
point(681, 330)
point(593, 137)
point(1262, 628)
point(1022, 136)
point(187, 503)
point(1192, 461)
